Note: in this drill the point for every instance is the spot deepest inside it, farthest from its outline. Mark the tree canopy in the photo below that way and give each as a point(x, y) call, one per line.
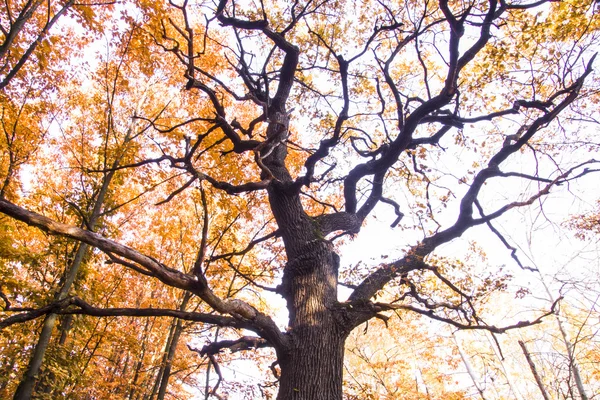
point(188, 174)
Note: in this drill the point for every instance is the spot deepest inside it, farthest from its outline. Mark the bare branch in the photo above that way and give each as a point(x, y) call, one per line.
point(75, 305)
point(491, 328)
point(513, 250)
point(249, 247)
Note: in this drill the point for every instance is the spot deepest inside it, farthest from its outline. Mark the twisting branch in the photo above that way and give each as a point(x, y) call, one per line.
point(215, 364)
point(212, 361)
point(187, 58)
point(469, 314)
point(248, 278)
point(465, 220)
point(513, 250)
point(459, 122)
point(329, 143)
point(235, 189)
point(399, 214)
point(491, 328)
point(544, 191)
point(290, 61)
point(116, 260)
point(178, 190)
point(404, 139)
point(414, 259)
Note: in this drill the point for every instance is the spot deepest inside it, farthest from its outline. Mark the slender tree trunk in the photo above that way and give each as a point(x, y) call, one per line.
point(470, 370)
point(170, 350)
point(419, 374)
point(209, 365)
point(140, 363)
point(164, 382)
point(25, 388)
point(163, 362)
point(136, 374)
point(573, 364)
point(495, 346)
point(538, 380)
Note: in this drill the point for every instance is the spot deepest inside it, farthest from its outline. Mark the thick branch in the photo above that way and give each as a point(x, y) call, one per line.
point(167, 275)
point(237, 308)
point(340, 221)
point(414, 259)
point(241, 344)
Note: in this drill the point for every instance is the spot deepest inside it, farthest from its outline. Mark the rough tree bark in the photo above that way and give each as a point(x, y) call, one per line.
point(312, 362)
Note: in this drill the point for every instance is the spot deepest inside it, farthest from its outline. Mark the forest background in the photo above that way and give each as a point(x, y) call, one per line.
point(225, 152)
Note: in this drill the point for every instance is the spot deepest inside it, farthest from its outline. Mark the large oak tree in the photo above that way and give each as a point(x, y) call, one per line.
point(306, 118)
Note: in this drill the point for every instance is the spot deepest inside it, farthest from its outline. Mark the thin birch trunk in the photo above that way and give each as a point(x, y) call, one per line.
point(538, 380)
point(470, 370)
point(500, 359)
point(573, 365)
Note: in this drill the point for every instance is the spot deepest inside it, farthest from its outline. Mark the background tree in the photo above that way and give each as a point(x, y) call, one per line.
point(299, 123)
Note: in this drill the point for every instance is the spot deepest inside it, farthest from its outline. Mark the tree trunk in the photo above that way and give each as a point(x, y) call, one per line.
point(163, 362)
point(170, 350)
point(313, 369)
point(312, 366)
point(312, 361)
point(164, 381)
point(495, 345)
point(533, 369)
point(25, 388)
point(469, 368)
point(573, 364)
point(537, 377)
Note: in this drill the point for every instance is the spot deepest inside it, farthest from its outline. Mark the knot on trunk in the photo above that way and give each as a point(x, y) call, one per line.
point(315, 256)
point(312, 254)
